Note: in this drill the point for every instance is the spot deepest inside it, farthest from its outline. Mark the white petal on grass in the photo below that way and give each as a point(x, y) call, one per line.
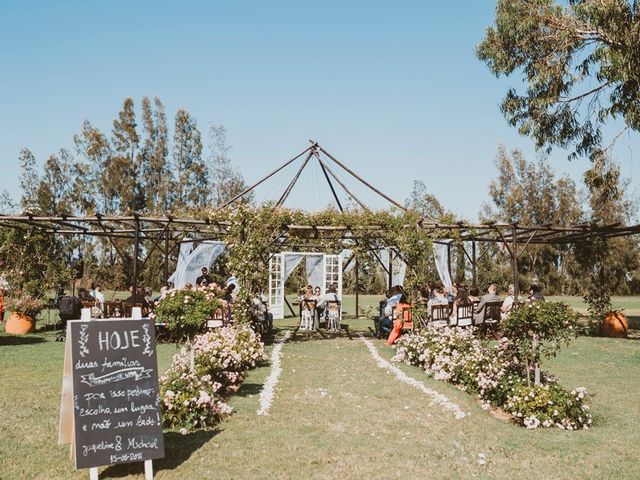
point(436, 397)
point(266, 396)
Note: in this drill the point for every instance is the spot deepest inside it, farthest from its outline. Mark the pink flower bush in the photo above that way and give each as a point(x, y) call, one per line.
point(496, 374)
point(206, 371)
point(186, 311)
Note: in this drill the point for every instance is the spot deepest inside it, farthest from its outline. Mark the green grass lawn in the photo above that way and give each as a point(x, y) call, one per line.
point(336, 414)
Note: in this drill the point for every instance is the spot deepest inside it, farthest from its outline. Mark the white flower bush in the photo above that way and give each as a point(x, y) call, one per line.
point(206, 371)
point(497, 375)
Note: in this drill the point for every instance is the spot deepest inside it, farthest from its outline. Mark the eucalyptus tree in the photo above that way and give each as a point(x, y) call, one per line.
point(29, 180)
point(191, 188)
point(580, 63)
point(529, 193)
point(101, 189)
point(155, 156)
point(225, 180)
point(125, 163)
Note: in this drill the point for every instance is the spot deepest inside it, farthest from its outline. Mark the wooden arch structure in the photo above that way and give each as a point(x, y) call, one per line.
point(150, 233)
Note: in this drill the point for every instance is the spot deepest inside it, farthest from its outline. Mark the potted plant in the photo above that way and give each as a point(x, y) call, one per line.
point(24, 311)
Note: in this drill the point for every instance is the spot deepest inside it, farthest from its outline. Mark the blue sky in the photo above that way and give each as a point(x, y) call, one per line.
point(393, 89)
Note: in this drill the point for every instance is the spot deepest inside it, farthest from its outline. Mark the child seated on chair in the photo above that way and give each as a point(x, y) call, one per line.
point(331, 303)
point(307, 309)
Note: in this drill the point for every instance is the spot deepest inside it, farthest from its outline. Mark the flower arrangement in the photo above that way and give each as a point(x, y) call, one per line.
point(206, 371)
point(186, 311)
point(495, 373)
point(26, 305)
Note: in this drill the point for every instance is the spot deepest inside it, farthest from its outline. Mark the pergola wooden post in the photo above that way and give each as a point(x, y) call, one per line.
point(136, 251)
point(474, 267)
point(514, 261)
point(357, 288)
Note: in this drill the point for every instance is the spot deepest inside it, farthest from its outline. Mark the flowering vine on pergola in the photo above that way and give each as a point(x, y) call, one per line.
point(255, 233)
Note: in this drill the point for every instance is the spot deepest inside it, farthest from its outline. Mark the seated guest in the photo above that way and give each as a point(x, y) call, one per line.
point(437, 298)
point(451, 294)
point(509, 302)
point(138, 300)
point(399, 318)
point(384, 317)
point(330, 302)
point(96, 292)
point(535, 294)
point(474, 294)
point(317, 294)
point(83, 295)
point(203, 279)
point(489, 297)
point(462, 300)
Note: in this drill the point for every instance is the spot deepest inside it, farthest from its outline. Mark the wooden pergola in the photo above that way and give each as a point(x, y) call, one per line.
point(148, 234)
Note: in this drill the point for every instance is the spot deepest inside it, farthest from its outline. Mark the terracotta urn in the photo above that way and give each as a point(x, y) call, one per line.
point(19, 324)
point(615, 325)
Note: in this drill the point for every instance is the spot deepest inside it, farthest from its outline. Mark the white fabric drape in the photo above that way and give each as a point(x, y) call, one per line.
point(189, 268)
point(177, 277)
point(442, 263)
point(398, 267)
point(314, 270)
point(291, 261)
point(398, 271)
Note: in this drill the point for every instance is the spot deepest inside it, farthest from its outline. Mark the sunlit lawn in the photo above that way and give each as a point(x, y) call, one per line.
point(337, 415)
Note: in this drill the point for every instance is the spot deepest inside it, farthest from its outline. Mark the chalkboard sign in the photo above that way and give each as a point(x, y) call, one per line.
point(116, 400)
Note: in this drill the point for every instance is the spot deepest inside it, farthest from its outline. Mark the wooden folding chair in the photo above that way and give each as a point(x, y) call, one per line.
point(464, 315)
point(112, 309)
point(440, 314)
point(491, 316)
point(333, 315)
point(407, 318)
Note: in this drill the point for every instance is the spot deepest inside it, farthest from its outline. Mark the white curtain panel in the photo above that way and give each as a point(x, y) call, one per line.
point(398, 267)
point(291, 261)
point(398, 271)
point(178, 276)
point(314, 270)
point(203, 256)
point(442, 265)
point(346, 255)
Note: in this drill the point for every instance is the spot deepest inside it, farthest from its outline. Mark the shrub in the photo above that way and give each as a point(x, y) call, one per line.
point(186, 311)
point(538, 330)
point(549, 405)
point(204, 374)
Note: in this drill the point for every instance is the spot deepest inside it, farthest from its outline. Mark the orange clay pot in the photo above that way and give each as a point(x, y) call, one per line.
point(615, 325)
point(19, 324)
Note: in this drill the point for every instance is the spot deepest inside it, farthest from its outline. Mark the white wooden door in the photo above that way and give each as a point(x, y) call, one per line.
point(276, 285)
point(332, 269)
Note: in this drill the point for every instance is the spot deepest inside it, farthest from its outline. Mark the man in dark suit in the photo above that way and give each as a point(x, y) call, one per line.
point(490, 297)
point(203, 279)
